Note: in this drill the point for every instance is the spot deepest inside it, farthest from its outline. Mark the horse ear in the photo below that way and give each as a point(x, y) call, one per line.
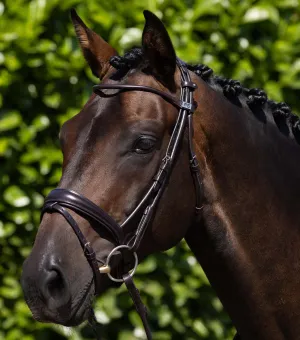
point(158, 48)
point(96, 51)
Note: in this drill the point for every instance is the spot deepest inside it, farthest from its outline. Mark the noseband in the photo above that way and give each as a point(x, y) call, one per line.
point(59, 200)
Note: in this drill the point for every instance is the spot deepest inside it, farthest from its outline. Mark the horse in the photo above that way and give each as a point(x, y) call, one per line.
point(164, 151)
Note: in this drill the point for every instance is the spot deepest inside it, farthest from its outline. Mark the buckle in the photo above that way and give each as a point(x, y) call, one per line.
point(50, 207)
point(191, 85)
point(187, 106)
point(89, 251)
point(194, 165)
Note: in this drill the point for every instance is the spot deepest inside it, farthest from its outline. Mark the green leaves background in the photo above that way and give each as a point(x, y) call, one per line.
point(44, 81)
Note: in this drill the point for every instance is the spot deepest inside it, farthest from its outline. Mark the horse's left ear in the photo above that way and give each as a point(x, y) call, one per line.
point(96, 51)
point(158, 49)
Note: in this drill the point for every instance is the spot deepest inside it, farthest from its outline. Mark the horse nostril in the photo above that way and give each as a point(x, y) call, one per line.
point(55, 284)
point(54, 288)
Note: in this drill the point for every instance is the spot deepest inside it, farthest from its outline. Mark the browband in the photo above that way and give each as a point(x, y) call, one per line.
point(169, 98)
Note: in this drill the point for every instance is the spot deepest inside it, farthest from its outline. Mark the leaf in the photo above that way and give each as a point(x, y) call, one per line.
point(6, 229)
point(200, 328)
point(147, 266)
point(287, 3)
point(11, 288)
point(10, 120)
point(261, 12)
point(4, 142)
point(16, 197)
point(41, 122)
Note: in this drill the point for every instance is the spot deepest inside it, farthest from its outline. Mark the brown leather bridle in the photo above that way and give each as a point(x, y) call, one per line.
point(59, 200)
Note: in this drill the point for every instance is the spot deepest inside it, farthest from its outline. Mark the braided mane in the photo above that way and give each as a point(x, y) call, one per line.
point(256, 99)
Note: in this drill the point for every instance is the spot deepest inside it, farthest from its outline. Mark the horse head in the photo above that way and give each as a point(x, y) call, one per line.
point(112, 150)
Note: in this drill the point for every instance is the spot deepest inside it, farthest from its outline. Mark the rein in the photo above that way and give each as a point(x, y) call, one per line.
point(59, 200)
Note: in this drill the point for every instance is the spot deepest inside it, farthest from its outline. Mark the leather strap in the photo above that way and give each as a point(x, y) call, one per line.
point(194, 165)
point(160, 180)
point(87, 249)
point(89, 210)
point(139, 306)
point(169, 98)
point(165, 169)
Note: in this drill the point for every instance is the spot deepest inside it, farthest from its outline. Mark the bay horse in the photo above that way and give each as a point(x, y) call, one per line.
point(130, 155)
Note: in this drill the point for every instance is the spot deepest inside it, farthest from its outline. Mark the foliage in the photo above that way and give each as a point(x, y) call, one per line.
point(44, 81)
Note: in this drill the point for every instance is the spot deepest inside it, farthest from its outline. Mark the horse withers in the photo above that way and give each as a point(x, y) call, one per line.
point(131, 159)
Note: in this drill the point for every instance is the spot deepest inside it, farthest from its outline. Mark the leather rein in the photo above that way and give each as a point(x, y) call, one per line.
point(59, 200)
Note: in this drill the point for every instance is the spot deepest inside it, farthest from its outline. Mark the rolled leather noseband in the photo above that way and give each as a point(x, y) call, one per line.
point(86, 208)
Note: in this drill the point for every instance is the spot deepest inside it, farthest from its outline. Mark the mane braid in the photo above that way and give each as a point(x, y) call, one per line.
point(231, 88)
point(131, 60)
point(256, 98)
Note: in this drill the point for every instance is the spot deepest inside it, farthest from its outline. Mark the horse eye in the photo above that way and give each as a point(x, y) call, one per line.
point(144, 144)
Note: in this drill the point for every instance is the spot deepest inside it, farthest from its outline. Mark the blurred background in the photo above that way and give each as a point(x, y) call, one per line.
point(44, 81)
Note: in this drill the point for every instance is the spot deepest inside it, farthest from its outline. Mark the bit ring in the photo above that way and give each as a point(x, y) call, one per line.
point(106, 268)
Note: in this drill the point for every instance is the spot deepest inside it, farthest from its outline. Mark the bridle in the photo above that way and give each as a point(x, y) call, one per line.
point(59, 200)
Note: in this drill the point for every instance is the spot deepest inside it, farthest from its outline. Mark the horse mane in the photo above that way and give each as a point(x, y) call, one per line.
point(256, 99)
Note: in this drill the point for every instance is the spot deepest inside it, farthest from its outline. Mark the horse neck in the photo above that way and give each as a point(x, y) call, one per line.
point(250, 178)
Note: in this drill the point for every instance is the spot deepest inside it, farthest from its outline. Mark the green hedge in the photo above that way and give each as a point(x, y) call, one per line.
point(44, 81)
